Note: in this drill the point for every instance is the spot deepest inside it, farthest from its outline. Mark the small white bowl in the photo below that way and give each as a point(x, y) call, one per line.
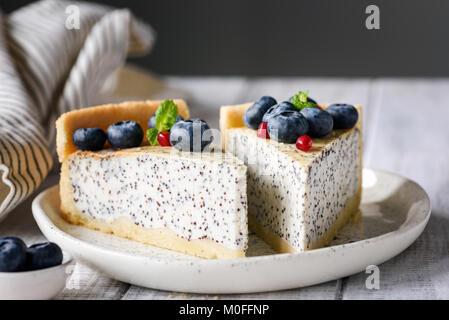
point(35, 285)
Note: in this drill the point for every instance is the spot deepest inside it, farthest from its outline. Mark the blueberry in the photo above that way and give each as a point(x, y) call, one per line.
point(320, 122)
point(345, 115)
point(253, 116)
point(12, 254)
point(125, 134)
point(152, 121)
point(190, 135)
point(267, 100)
point(277, 108)
point(43, 255)
point(92, 139)
point(287, 126)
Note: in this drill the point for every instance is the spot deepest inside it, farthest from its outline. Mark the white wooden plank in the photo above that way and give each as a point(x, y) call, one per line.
point(140, 293)
point(411, 139)
point(86, 283)
point(322, 291)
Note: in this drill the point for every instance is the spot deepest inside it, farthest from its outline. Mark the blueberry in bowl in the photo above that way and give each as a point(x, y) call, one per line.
point(12, 254)
point(125, 134)
point(277, 108)
point(190, 135)
point(253, 115)
point(345, 115)
point(287, 126)
point(92, 139)
point(16, 257)
point(320, 122)
point(43, 255)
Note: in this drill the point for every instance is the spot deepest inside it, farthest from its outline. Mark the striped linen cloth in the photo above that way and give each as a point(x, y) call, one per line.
point(50, 64)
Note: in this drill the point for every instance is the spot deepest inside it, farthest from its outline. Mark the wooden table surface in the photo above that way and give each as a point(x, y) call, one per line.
point(406, 131)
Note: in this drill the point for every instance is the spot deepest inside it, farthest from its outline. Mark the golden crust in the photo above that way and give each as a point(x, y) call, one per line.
point(231, 117)
point(103, 116)
point(125, 228)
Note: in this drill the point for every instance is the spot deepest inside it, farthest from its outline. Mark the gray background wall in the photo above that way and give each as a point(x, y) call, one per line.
point(292, 38)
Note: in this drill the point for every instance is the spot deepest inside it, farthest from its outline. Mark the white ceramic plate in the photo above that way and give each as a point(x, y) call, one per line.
point(393, 214)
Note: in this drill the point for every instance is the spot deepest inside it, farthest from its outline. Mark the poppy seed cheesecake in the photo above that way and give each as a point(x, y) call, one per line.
point(297, 200)
point(190, 202)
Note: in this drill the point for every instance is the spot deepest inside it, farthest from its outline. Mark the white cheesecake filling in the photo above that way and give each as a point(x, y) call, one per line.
point(197, 198)
point(332, 181)
point(295, 195)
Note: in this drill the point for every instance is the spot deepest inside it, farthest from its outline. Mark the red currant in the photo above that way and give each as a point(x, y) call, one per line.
point(304, 143)
point(262, 132)
point(164, 139)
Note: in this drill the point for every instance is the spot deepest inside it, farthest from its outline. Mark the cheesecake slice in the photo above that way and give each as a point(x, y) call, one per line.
point(190, 202)
point(297, 200)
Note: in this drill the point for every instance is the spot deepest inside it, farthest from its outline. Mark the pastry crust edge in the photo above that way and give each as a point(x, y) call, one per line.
point(104, 115)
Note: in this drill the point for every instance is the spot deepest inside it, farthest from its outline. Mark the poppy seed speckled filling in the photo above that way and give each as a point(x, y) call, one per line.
point(298, 195)
point(195, 198)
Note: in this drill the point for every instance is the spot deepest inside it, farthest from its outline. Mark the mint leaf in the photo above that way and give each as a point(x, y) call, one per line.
point(152, 136)
point(299, 100)
point(166, 115)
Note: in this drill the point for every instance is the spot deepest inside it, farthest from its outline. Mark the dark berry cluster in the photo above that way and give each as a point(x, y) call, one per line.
point(15, 256)
point(289, 123)
point(186, 135)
